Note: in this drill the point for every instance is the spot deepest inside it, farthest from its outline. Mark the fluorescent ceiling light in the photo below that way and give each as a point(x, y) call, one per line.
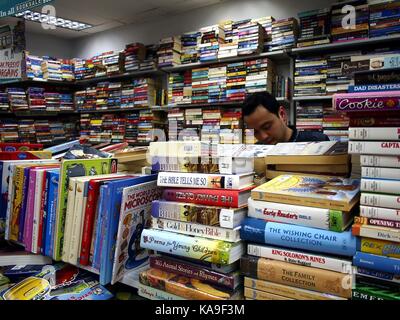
point(51, 20)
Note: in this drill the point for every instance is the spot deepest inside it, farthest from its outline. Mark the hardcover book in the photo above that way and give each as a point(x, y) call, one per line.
point(379, 247)
point(323, 192)
point(377, 262)
point(134, 216)
point(368, 101)
point(215, 251)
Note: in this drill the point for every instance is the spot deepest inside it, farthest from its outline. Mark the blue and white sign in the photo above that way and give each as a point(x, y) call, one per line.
point(12, 7)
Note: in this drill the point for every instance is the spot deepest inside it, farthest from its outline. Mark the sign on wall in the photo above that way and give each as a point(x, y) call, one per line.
point(12, 7)
point(10, 65)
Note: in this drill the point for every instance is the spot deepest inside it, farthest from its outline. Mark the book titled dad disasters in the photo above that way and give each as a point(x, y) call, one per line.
point(322, 192)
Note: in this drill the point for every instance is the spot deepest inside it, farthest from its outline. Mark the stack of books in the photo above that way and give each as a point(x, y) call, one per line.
point(236, 81)
point(34, 67)
point(339, 71)
point(193, 118)
point(340, 31)
point(145, 126)
point(66, 102)
point(231, 125)
point(79, 68)
point(43, 134)
point(176, 123)
point(131, 127)
point(297, 230)
point(99, 69)
point(284, 34)
point(310, 76)
point(266, 23)
point(84, 125)
point(314, 27)
point(229, 48)
point(26, 131)
point(377, 259)
point(4, 104)
point(169, 52)
point(114, 95)
point(57, 132)
point(133, 54)
point(17, 99)
point(198, 209)
point(52, 101)
point(70, 129)
point(200, 85)
point(112, 63)
point(210, 131)
point(89, 69)
point(190, 51)
point(102, 95)
point(118, 129)
point(309, 116)
point(211, 37)
point(251, 38)
point(260, 74)
point(149, 61)
point(335, 124)
point(217, 84)
point(383, 18)
point(175, 87)
point(52, 69)
point(67, 70)
point(145, 92)
point(128, 96)
point(36, 99)
point(9, 130)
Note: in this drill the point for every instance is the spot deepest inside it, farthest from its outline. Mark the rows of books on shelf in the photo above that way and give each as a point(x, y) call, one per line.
point(284, 33)
point(40, 131)
point(314, 27)
point(374, 146)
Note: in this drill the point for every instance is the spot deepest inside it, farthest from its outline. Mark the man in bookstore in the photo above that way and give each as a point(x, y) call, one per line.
point(269, 120)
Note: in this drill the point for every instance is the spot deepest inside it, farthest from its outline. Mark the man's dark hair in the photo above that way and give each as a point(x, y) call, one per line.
point(264, 99)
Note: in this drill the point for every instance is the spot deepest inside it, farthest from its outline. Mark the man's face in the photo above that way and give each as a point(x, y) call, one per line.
point(268, 127)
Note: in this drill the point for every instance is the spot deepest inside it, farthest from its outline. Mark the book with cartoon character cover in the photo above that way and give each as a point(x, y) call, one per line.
point(75, 168)
point(322, 192)
point(135, 215)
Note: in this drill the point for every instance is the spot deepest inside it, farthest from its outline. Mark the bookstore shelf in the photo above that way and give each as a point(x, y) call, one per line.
point(114, 110)
point(356, 44)
point(278, 55)
point(307, 98)
point(121, 76)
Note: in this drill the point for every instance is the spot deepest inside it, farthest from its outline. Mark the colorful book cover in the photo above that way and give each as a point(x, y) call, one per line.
point(75, 168)
point(323, 192)
point(112, 207)
point(379, 247)
point(134, 216)
point(24, 205)
point(52, 178)
point(298, 237)
point(214, 251)
point(368, 101)
point(12, 147)
point(25, 155)
point(377, 262)
point(30, 207)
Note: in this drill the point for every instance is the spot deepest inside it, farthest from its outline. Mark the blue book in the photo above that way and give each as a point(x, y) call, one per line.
point(377, 274)
point(100, 226)
point(298, 237)
point(52, 178)
point(112, 206)
point(374, 87)
point(376, 262)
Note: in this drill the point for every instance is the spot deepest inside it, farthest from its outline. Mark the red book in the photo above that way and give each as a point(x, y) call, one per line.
point(90, 211)
point(13, 147)
point(209, 197)
point(42, 205)
point(28, 155)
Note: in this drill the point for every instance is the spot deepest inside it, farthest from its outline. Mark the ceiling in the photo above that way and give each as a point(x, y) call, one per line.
point(105, 14)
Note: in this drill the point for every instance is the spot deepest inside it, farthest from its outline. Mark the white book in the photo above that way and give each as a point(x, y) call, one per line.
point(380, 186)
point(374, 133)
point(380, 173)
point(375, 147)
point(320, 218)
point(188, 212)
point(197, 230)
point(203, 180)
point(302, 258)
point(380, 161)
point(380, 200)
point(379, 213)
point(377, 232)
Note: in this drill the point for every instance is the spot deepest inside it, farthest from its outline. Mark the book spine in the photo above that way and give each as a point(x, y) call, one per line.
point(298, 237)
point(46, 215)
point(376, 262)
point(221, 198)
point(376, 232)
point(380, 213)
point(380, 247)
point(88, 223)
point(197, 230)
point(69, 212)
point(374, 147)
point(380, 161)
point(378, 185)
point(301, 258)
point(380, 200)
point(374, 134)
point(288, 291)
point(381, 173)
point(156, 294)
point(36, 217)
point(215, 251)
point(260, 295)
point(30, 212)
point(230, 281)
point(100, 229)
point(326, 219)
point(193, 180)
point(374, 87)
point(377, 222)
point(207, 215)
point(23, 206)
point(43, 215)
point(379, 275)
point(297, 276)
point(53, 200)
point(360, 294)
